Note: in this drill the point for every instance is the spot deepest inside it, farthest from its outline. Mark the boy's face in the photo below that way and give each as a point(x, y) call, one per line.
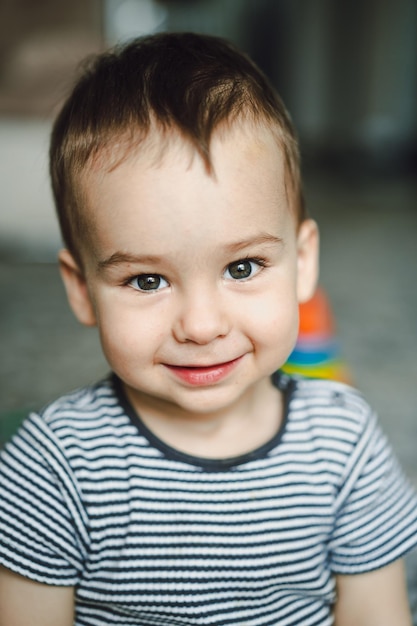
point(194, 279)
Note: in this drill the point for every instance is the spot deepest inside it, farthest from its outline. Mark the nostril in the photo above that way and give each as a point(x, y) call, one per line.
point(201, 323)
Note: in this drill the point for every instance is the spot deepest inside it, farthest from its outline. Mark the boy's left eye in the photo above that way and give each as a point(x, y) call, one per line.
point(243, 269)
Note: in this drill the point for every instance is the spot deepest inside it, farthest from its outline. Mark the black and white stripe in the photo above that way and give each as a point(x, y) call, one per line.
point(151, 536)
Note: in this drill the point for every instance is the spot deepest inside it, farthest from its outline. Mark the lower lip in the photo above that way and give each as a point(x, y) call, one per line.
point(203, 376)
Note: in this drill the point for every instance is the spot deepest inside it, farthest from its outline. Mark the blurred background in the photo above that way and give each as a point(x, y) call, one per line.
point(348, 74)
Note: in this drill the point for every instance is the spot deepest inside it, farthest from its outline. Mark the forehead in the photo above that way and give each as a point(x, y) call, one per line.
point(165, 178)
point(152, 146)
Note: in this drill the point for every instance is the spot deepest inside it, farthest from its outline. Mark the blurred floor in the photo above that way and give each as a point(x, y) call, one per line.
point(369, 262)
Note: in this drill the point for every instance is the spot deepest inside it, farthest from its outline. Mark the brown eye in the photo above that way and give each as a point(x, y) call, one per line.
point(241, 269)
point(148, 282)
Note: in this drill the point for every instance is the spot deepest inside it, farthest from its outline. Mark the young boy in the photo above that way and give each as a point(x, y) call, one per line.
point(194, 485)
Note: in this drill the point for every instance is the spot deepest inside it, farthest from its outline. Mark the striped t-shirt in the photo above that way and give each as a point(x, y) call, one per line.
point(154, 537)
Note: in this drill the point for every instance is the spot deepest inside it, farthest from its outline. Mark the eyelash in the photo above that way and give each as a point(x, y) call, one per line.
point(130, 280)
point(261, 263)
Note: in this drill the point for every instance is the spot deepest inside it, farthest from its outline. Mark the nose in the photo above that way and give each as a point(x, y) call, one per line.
point(202, 317)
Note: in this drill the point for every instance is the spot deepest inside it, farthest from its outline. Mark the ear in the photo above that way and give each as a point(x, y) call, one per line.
point(307, 259)
point(76, 288)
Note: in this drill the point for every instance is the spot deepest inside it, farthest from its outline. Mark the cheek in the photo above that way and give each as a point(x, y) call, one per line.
point(282, 328)
point(129, 333)
point(274, 320)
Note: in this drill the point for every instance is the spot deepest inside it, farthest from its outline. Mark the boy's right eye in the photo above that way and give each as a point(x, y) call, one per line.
point(148, 282)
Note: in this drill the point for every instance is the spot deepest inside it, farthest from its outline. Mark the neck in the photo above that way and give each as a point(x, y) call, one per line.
point(229, 431)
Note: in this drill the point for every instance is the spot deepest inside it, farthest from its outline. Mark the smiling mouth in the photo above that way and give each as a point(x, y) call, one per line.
point(197, 375)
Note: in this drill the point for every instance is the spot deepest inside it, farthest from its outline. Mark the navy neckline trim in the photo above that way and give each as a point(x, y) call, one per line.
point(282, 382)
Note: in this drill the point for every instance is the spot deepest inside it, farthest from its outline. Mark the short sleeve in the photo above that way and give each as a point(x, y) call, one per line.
point(43, 527)
point(376, 509)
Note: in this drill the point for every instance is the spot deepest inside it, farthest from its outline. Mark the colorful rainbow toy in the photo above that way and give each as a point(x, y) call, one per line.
point(317, 351)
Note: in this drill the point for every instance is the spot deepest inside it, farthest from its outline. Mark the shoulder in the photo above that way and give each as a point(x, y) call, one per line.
point(330, 418)
point(55, 447)
point(79, 404)
point(330, 402)
point(77, 419)
point(84, 411)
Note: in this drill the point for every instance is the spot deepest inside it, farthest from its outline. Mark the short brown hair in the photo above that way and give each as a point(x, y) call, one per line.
point(183, 81)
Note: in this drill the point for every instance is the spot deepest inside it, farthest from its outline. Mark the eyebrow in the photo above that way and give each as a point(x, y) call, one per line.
point(263, 238)
point(120, 258)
